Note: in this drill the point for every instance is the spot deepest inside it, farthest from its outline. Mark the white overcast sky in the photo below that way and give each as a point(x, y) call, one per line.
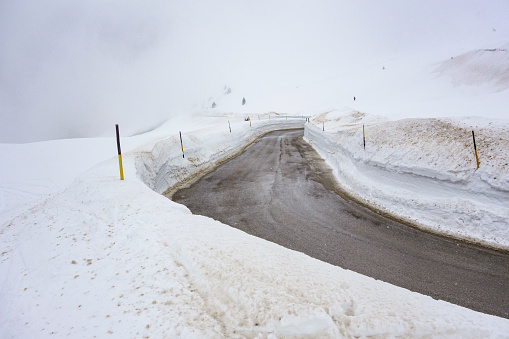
point(74, 68)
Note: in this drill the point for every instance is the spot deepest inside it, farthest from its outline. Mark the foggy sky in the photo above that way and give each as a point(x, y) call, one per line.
point(75, 68)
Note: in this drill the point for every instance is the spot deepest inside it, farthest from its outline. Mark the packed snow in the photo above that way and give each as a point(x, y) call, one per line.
point(97, 256)
point(86, 255)
point(423, 170)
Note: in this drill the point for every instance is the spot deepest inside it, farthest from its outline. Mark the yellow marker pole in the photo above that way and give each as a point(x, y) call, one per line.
point(363, 137)
point(475, 150)
point(119, 154)
point(181, 144)
point(229, 126)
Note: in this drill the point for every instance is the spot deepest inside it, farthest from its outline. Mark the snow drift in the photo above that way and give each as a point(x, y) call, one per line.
point(423, 170)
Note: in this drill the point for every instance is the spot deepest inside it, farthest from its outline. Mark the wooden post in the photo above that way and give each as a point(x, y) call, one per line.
point(181, 144)
point(475, 150)
point(119, 154)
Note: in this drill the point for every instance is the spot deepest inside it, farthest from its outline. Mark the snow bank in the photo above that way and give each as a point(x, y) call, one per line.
point(161, 166)
point(105, 257)
point(423, 170)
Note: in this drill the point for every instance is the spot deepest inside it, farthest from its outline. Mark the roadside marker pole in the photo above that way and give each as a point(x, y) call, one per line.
point(475, 150)
point(323, 122)
point(119, 154)
point(229, 126)
point(363, 137)
point(181, 144)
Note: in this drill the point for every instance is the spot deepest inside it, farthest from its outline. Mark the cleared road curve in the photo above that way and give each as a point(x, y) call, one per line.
point(280, 189)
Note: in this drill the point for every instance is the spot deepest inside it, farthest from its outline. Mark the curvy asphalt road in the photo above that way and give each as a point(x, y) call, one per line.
point(281, 190)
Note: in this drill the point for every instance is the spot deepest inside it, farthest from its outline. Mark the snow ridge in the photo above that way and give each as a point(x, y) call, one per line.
point(423, 170)
point(478, 67)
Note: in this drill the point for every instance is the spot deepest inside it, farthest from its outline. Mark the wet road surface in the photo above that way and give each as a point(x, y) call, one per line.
point(280, 190)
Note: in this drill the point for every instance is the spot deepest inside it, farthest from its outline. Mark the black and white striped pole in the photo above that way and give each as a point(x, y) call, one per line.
point(119, 154)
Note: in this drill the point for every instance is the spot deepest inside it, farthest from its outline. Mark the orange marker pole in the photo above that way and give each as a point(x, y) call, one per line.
point(475, 150)
point(119, 154)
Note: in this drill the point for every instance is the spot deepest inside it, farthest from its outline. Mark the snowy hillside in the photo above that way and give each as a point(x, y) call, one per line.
point(479, 67)
point(108, 257)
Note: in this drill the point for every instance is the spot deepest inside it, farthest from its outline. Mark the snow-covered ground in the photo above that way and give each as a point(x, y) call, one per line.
point(423, 170)
point(84, 254)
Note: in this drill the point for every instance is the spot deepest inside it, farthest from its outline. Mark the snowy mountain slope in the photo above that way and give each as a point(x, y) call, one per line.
point(479, 67)
point(401, 86)
point(108, 257)
point(423, 169)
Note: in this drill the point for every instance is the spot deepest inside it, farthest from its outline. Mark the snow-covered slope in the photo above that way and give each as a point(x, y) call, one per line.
point(104, 257)
point(423, 169)
point(479, 67)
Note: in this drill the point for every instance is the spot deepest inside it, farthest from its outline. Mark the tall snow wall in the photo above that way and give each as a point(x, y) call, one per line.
point(163, 168)
point(423, 171)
